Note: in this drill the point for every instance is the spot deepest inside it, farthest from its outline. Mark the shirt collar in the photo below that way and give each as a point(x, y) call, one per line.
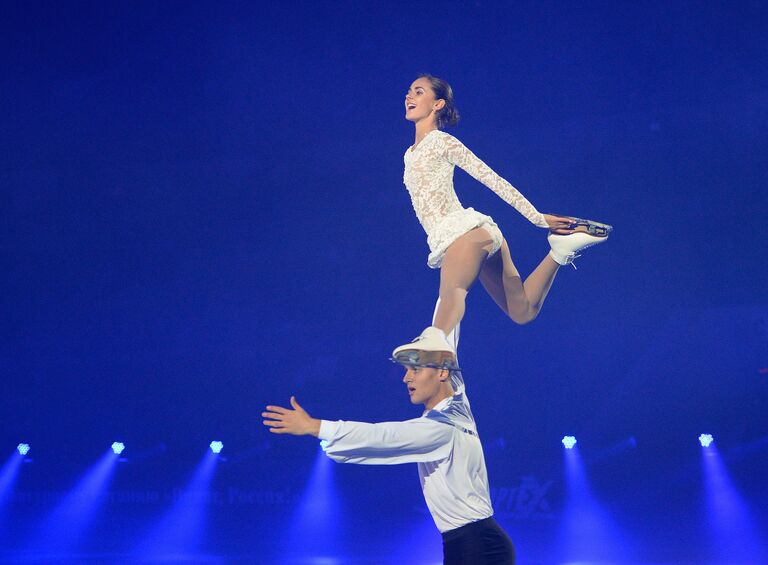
point(442, 405)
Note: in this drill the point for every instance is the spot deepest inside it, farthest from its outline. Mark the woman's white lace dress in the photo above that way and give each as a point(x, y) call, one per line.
point(429, 178)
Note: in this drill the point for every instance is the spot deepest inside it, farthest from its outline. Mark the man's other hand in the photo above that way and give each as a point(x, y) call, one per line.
point(296, 422)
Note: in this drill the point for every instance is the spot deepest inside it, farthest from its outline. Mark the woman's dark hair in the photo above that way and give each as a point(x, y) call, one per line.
point(448, 115)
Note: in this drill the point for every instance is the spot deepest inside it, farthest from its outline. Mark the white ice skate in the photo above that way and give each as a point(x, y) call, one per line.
point(432, 339)
point(565, 248)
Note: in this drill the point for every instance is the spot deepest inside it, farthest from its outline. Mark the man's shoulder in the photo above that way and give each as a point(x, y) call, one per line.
point(437, 416)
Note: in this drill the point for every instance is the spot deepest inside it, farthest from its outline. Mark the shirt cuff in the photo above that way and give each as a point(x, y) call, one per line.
point(328, 430)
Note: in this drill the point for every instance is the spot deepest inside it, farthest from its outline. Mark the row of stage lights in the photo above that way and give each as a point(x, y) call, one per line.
point(216, 446)
point(704, 439)
point(118, 447)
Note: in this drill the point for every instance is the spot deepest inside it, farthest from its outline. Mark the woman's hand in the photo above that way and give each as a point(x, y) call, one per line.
point(296, 422)
point(558, 224)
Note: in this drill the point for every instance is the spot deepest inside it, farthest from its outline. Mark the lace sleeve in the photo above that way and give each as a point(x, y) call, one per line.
point(456, 153)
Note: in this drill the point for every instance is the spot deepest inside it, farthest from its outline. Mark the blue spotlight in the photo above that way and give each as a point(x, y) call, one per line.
point(64, 527)
point(118, 447)
point(318, 517)
point(181, 532)
point(569, 442)
point(705, 440)
point(217, 446)
point(9, 474)
point(23, 448)
point(731, 523)
point(588, 531)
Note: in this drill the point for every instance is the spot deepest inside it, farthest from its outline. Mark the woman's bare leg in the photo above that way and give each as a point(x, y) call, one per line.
point(461, 266)
point(521, 301)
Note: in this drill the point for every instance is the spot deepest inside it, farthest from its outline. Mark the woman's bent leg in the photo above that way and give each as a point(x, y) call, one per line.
point(521, 301)
point(461, 266)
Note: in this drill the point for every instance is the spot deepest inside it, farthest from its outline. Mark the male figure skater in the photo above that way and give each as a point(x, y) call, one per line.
point(443, 442)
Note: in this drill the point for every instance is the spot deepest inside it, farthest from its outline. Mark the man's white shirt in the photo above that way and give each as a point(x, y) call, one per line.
point(444, 444)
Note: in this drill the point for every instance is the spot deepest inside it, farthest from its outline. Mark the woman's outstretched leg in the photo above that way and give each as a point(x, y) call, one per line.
point(461, 266)
point(521, 301)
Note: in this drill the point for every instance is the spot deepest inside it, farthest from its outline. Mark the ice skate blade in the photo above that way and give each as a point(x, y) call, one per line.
point(415, 358)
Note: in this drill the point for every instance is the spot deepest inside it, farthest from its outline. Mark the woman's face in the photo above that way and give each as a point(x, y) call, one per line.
point(420, 102)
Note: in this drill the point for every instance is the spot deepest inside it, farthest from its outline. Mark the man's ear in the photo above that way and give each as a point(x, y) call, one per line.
point(444, 375)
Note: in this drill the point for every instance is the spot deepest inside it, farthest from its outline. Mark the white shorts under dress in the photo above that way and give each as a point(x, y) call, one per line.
point(451, 227)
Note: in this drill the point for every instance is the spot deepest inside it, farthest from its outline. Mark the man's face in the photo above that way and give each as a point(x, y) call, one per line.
point(424, 384)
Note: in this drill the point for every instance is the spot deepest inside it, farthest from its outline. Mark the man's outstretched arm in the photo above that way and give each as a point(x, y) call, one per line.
point(385, 443)
point(296, 422)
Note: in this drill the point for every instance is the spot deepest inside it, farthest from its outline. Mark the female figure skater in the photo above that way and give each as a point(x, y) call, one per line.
point(465, 244)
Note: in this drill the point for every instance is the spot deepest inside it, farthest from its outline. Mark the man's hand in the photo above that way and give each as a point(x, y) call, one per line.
point(296, 422)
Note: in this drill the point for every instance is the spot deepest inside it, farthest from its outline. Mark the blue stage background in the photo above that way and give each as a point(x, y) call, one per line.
point(203, 213)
